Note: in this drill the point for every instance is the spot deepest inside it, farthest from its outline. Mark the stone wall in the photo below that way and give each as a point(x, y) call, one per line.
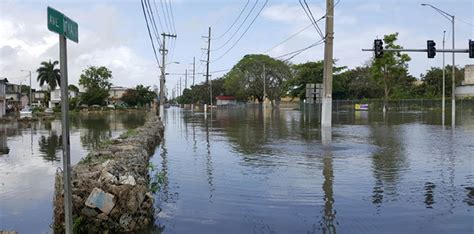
point(110, 187)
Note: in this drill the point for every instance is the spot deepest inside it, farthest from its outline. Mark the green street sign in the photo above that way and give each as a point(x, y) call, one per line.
point(61, 24)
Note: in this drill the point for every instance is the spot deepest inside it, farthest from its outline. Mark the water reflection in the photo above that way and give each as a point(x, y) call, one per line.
point(209, 168)
point(388, 162)
point(328, 220)
point(50, 146)
point(429, 194)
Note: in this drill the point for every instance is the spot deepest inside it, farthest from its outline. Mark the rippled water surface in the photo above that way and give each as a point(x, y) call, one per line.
point(254, 171)
point(30, 154)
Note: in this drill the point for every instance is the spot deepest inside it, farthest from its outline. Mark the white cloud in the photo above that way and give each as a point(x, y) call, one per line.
point(26, 43)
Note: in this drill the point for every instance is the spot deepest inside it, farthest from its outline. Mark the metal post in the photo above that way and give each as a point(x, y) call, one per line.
point(453, 106)
point(65, 134)
point(443, 99)
point(326, 115)
point(30, 90)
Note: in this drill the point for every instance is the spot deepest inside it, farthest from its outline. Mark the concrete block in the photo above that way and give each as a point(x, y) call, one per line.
point(101, 200)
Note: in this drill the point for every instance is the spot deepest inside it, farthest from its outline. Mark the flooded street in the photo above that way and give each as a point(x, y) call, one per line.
point(30, 154)
point(246, 170)
point(249, 171)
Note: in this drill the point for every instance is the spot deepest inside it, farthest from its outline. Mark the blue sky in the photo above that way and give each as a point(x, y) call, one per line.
point(113, 33)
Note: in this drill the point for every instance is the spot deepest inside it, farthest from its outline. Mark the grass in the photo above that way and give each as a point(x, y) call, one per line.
point(129, 133)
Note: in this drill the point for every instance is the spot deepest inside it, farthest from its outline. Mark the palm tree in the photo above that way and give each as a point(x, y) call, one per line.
point(48, 74)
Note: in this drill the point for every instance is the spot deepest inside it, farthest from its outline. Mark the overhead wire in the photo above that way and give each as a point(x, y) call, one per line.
point(289, 38)
point(165, 16)
point(243, 34)
point(235, 21)
point(152, 17)
point(149, 34)
point(238, 29)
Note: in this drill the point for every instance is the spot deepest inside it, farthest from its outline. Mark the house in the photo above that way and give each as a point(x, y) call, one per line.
point(3, 100)
point(38, 97)
point(226, 100)
point(13, 97)
point(55, 97)
point(466, 89)
point(116, 93)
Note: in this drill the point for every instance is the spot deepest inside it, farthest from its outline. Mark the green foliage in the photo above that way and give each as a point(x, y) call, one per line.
point(74, 88)
point(37, 109)
point(312, 73)
point(140, 96)
point(158, 180)
point(48, 74)
point(73, 103)
point(432, 86)
point(129, 133)
point(246, 78)
point(391, 70)
point(57, 109)
point(96, 82)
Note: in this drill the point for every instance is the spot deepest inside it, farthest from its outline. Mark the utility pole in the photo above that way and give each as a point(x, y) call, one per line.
point(194, 68)
point(326, 118)
point(164, 52)
point(453, 105)
point(180, 86)
point(264, 85)
point(207, 65)
point(443, 106)
point(186, 79)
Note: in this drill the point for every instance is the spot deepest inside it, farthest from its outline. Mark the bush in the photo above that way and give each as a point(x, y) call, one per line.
point(37, 109)
point(57, 109)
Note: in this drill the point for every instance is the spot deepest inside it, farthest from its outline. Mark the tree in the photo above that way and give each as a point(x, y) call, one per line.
point(246, 78)
point(361, 84)
point(73, 88)
point(95, 81)
point(139, 96)
point(312, 73)
point(392, 68)
point(47, 73)
point(432, 86)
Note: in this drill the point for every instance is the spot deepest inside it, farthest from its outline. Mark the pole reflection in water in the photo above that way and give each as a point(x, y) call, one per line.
point(209, 169)
point(328, 220)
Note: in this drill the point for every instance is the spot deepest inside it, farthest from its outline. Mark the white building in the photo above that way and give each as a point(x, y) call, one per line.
point(466, 89)
point(3, 101)
point(55, 97)
point(116, 93)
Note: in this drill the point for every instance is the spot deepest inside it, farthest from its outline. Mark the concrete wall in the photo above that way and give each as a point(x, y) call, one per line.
point(465, 91)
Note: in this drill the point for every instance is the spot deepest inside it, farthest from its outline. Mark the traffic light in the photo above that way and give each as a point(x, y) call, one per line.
point(378, 48)
point(471, 49)
point(430, 44)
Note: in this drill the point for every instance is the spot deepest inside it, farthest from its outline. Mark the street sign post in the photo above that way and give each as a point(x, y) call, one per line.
point(66, 28)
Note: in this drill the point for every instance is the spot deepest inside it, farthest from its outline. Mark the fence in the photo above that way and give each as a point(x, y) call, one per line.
point(403, 104)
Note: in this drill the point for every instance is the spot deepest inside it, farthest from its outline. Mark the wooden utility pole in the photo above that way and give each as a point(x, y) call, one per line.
point(207, 65)
point(164, 52)
point(326, 114)
point(186, 79)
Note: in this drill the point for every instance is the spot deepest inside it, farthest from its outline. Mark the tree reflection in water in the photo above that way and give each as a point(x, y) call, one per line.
point(49, 147)
point(388, 163)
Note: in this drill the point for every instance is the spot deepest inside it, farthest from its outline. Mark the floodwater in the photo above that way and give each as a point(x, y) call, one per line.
point(246, 170)
point(30, 154)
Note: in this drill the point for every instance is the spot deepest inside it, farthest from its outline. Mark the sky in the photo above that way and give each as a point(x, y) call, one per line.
point(114, 34)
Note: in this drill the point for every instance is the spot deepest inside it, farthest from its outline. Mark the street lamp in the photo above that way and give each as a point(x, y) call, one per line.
point(30, 84)
point(453, 104)
point(175, 62)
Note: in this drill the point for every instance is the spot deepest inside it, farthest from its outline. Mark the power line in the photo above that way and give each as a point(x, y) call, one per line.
point(159, 18)
point(289, 38)
point(243, 34)
point(235, 21)
point(299, 51)
point(238, 29)
point(152, 17)
point(172, 16)
point(311, 19)
point(165, 16)
point(149, 34)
